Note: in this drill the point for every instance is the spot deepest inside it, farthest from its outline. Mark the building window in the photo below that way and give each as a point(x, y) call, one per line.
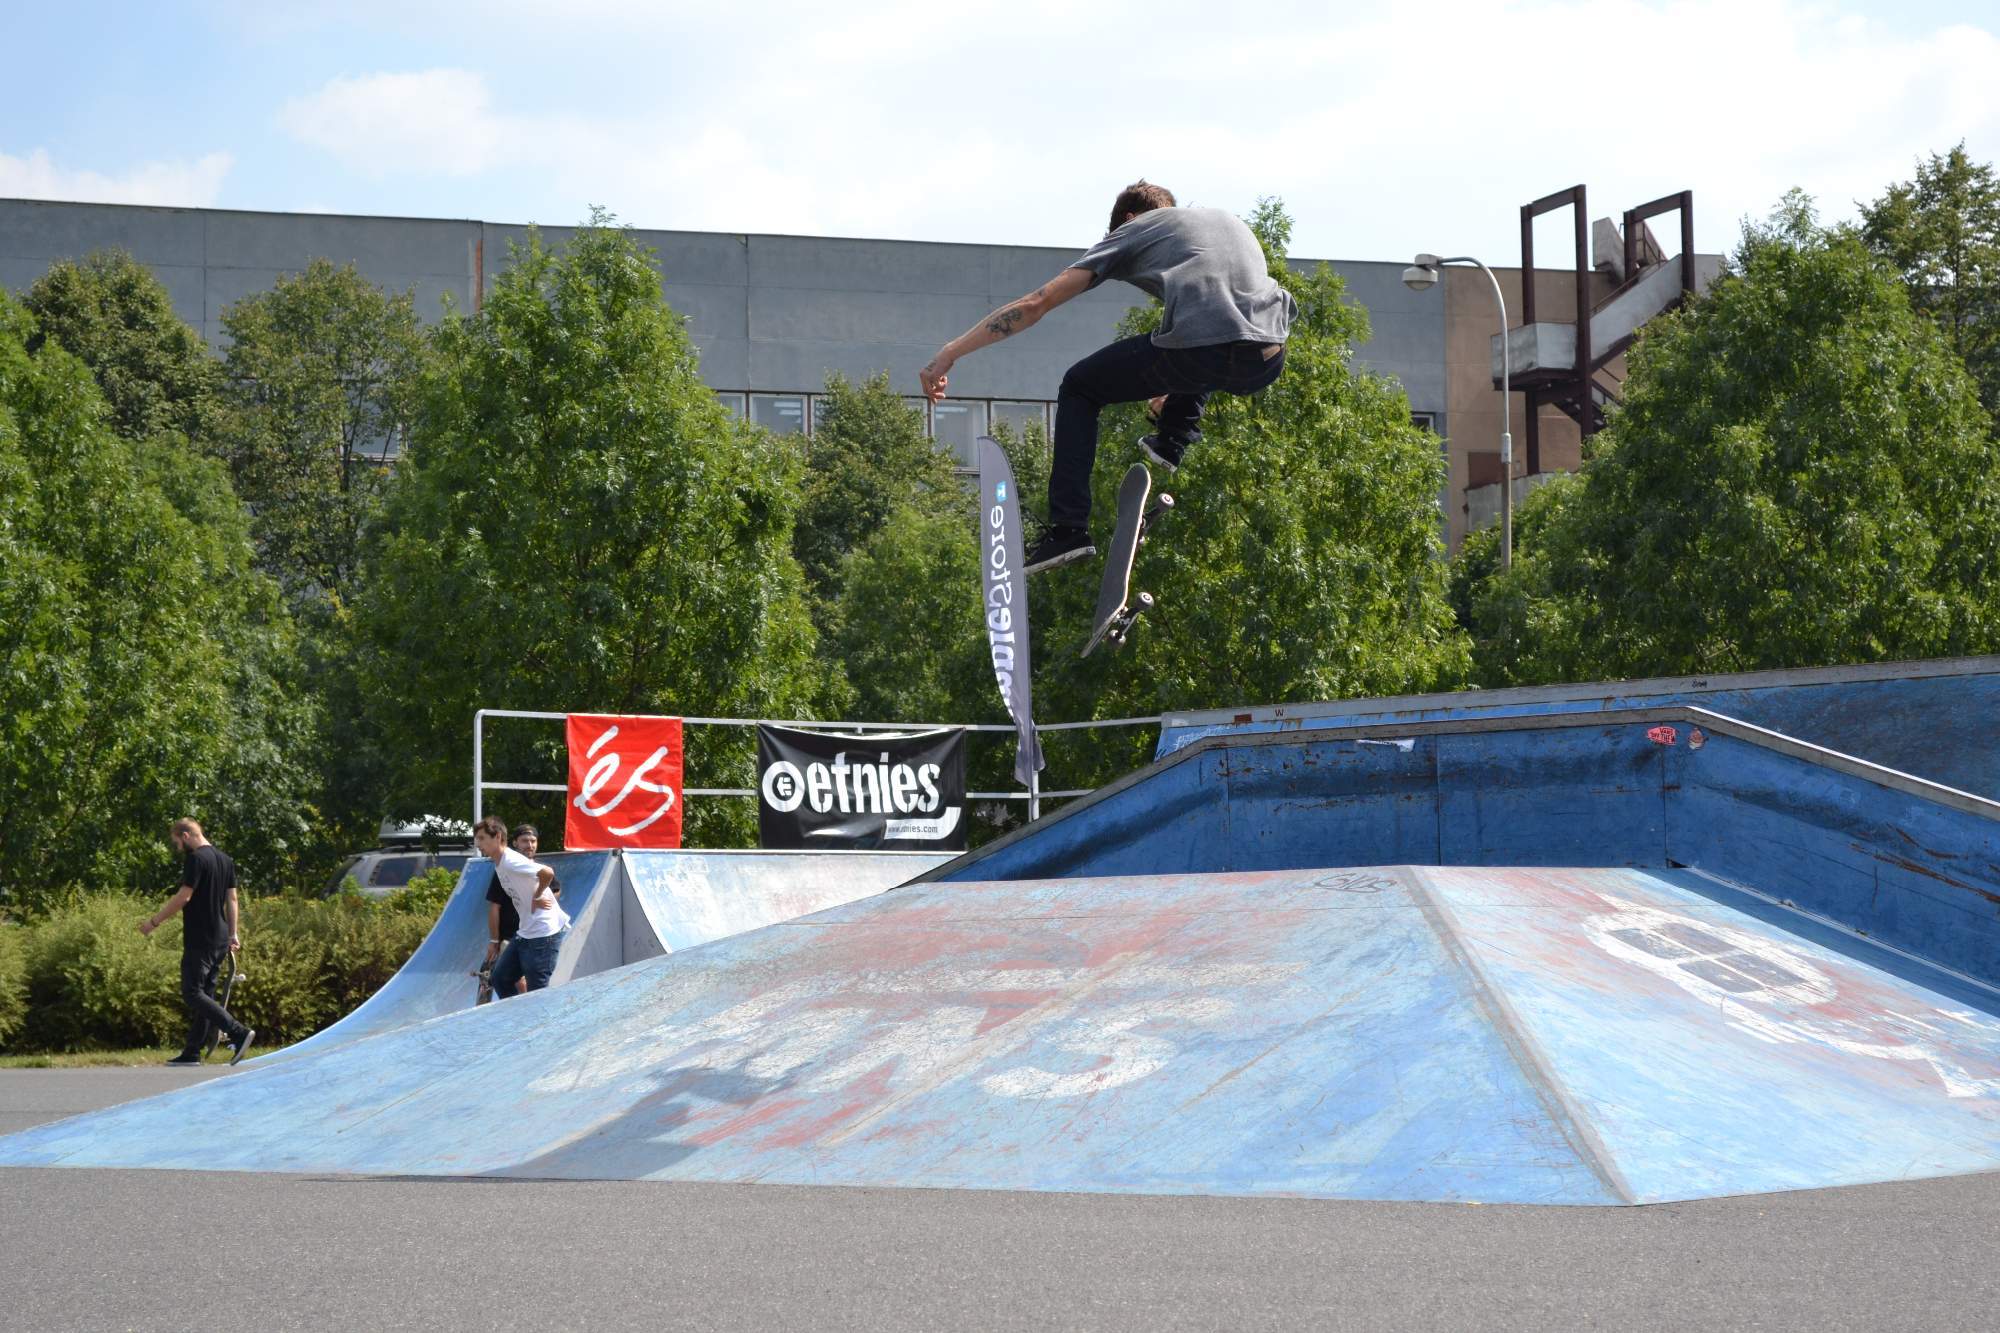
point(732, 402)
point(1017, 417)
point(957, 426)
point(1424, 420)
point(779, 413)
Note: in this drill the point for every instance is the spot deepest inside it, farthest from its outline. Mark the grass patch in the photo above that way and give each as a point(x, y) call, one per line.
point(135, 1058)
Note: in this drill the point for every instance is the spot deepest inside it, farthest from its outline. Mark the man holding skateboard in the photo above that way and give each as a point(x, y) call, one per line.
point(1223, 329)
point(208, 935)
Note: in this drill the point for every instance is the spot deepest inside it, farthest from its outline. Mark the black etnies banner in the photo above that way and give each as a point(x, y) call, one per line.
point(828, 792)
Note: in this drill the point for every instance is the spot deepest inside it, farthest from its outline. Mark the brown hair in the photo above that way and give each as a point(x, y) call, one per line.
point(185, 827)
point(492, 827)
point(1141, 196)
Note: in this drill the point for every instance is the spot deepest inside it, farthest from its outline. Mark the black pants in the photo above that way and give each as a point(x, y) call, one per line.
point(198, 968)
point(1132, 371)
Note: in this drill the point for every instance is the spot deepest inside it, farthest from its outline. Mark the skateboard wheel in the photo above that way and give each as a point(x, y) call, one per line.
point(1145, 601)
point(1166, 501)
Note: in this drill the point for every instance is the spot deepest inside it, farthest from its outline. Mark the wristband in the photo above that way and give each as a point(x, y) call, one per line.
point(493, 941)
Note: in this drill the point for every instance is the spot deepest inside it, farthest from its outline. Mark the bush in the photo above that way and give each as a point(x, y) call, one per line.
point(81, 977)
point(13, 979)
point(94, 981)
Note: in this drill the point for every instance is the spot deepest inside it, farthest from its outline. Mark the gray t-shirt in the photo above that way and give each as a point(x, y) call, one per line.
point(1206, 267)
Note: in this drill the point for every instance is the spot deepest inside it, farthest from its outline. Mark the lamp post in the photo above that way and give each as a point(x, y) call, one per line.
point(1421, 277)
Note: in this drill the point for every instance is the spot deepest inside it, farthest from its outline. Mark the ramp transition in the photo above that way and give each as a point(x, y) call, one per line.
point(624, 907)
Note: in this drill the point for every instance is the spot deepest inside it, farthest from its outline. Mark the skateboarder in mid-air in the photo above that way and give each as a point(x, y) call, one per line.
point(1224, 329)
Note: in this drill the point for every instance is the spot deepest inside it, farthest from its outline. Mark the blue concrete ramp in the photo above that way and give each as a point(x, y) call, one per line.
point(438, 978)
point(624, 907)
point(1520, 1035)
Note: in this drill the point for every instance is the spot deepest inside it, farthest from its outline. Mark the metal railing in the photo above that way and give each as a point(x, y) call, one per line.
point(1034, 795)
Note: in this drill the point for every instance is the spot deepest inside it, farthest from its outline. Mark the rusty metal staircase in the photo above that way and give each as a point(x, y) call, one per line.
point(1565, 364)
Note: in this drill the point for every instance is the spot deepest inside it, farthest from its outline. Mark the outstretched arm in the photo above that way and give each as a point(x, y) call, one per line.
point(1005, 322)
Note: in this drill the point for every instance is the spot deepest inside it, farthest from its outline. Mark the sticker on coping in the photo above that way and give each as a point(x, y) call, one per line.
point(1697, 738)
point(1662, 735)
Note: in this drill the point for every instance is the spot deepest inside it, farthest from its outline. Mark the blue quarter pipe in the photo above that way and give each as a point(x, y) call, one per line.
point(623, 907)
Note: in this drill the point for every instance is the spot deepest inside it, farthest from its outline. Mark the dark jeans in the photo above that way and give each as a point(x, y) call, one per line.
point(198, 968)
point(534, 959)
point(1132, 371)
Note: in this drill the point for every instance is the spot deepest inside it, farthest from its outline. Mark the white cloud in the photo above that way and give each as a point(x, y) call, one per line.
point(432, 121)
point(1016, 122)
point(174, 183)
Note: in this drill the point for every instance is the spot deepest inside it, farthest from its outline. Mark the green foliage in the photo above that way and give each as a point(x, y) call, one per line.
point(425, 894)
point(94, 980)
point(580, 526)
point(869, 458)
point(1942, 233)
point(79, 976)
point(109, 311)
point(1801, 475)
point(13, 980)
point(322, 369)
point(142, 660)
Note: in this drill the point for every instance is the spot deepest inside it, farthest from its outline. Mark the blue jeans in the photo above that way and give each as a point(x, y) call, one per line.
point(1132, 371)
point(534, 959)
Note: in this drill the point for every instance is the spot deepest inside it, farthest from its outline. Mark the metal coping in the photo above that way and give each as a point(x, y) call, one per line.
point(1717, 723)
point(1578, 693)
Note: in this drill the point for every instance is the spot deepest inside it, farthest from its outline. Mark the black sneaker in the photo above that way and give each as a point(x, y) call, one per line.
point(1160, 453)
point(241, 1045)
point(183, 1061)
point(1058, 546)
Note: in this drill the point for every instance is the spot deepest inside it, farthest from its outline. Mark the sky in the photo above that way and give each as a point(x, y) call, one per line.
point(1385, 129)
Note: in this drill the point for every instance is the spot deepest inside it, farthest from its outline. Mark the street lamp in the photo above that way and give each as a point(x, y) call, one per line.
point(1421, 277)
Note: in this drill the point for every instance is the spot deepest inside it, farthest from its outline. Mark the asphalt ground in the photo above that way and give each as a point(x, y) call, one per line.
point(161, 1249)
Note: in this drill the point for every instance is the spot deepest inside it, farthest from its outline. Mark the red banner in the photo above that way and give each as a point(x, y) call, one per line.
point(624, 782)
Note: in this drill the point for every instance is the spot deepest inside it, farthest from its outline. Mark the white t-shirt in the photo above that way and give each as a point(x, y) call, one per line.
point(519, 877)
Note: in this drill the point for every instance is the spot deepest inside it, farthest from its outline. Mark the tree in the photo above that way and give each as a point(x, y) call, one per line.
point(580, 526)
point(141, 655)
point(869, 457)
point(321, 369)
point(1942, 233)
point(156, 374)
point(1801, 475)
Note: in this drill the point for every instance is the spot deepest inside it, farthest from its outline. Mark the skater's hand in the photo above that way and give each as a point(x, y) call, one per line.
point(148, 926)
point(235, 942)
point(934, 375)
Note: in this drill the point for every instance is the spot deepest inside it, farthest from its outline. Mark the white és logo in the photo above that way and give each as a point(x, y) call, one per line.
point(603, 771)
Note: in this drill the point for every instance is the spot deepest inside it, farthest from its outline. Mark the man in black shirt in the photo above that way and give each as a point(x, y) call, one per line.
point(208, 932)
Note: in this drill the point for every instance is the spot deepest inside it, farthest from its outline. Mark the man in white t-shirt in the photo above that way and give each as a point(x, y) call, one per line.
point(533, 950)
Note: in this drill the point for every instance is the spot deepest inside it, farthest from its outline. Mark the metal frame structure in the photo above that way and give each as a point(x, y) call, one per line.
point(1033, 796)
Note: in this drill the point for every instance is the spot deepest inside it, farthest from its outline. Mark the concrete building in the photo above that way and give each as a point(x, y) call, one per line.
point(773, 316)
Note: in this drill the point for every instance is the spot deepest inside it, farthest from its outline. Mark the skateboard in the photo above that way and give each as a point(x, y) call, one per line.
point(1117, 608)
point(485, 975)
point(228, 989)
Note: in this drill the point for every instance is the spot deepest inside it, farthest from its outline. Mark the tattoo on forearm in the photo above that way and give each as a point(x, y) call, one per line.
point(1006, 321)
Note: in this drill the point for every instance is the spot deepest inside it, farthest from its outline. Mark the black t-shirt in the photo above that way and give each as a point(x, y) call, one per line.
point(205, 919)
point(510, 916)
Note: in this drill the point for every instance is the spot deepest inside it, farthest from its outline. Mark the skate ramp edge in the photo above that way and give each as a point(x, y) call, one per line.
point(1548, 1035)
point(1905, 862)
point(624, 907)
